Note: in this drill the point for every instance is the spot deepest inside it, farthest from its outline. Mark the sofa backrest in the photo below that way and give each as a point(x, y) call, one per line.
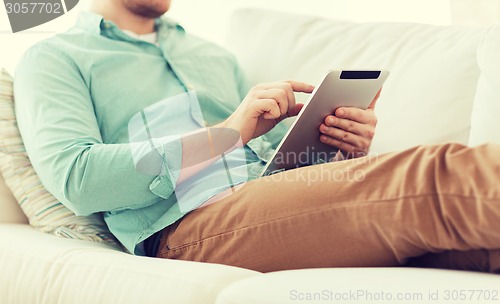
point(429, 95)
point(486, 113)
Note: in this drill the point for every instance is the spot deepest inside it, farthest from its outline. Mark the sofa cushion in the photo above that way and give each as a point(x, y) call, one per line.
point(486, 112)
point(428, 96)
point(10, 212)
point(41, 268)
point(364, 285)
point(44, 212)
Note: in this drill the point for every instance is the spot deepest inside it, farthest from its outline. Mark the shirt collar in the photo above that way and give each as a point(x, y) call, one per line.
point(94, 23)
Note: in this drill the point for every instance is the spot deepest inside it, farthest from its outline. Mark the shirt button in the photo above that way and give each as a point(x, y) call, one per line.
point(190, 87)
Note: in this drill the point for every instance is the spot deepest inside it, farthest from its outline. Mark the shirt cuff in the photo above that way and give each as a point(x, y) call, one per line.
point(170, 151)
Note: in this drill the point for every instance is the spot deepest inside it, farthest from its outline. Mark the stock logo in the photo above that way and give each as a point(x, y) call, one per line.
point(25, 14)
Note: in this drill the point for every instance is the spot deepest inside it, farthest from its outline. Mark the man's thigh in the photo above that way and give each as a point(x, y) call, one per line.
point(374, 211)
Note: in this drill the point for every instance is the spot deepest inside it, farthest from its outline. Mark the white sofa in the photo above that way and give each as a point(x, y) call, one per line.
point(429, 98)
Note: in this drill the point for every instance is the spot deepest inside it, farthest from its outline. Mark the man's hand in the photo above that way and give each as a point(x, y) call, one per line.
point(265, 106)
point(351, 130)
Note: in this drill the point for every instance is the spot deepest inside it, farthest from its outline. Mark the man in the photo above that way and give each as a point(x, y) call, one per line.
point(78, 92)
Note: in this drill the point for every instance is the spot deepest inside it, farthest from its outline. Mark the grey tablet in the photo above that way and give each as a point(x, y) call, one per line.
point(301, 145)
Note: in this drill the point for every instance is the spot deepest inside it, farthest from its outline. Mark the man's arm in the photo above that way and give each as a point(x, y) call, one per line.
point(56, 119)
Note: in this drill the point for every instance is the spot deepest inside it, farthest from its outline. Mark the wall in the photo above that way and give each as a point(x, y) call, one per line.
point(12, 46)
point(475, 12)
point(208, 18)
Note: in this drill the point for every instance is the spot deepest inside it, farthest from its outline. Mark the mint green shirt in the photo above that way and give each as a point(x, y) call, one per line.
point(75, 96)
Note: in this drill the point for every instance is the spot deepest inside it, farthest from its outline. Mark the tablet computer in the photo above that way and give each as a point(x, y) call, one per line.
point(301, 145)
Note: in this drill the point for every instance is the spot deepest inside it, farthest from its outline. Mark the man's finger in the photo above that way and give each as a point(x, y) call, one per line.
point(279, 95)
point(342, 145)
point(291, 96)
point(269, 108)
point(302, 87)
point(365, 130)
point(357, 115)
point(357, 141)
point(283, 86)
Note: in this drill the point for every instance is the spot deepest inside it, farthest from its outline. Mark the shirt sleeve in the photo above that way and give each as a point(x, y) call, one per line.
point(56, 119)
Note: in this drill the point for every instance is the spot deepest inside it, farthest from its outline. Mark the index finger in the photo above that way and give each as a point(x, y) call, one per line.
point(302, 87)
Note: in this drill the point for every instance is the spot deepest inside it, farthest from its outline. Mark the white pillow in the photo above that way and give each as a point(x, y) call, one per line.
point(426, 100)
point(486, 113)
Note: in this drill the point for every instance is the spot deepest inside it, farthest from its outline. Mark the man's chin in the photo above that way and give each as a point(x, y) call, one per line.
point(149, 12)
point(148, 9)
